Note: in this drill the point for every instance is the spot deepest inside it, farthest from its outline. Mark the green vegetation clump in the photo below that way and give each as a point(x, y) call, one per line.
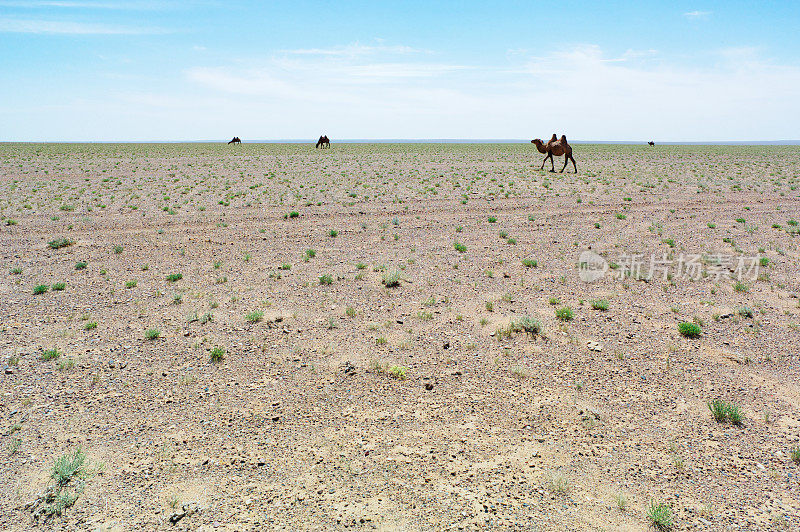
point(689, 330)
point(391, 280)
point(529, 263)
point(40, 289)
point(461, 248)
point(600, 304)
point(173, 277)
point(217, 354)
point(564, 314)
point(255, 316)
point(152, 334)
point(723, 411)
point(50, 354)
point(660, 515)
point(60, 243)
point(80, 265)
point(326, 279)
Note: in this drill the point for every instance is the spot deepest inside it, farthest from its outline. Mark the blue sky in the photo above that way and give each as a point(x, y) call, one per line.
point(166, 70)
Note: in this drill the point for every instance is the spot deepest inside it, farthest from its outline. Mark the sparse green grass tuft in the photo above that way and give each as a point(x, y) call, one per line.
point(689, 330)
point(255, 316)
point(660, 515)
point(391, 280)
point(564, 314)
point(529, 263)
point(217, 354)
point(59, 286)
point(461, 248)
point(173, 277)
point(600, 304)
point(326, 279)
point(50, 354)
point(40, 289)
point(723, 411)
point(60, 243)
point(80, 265)
point(152, 334)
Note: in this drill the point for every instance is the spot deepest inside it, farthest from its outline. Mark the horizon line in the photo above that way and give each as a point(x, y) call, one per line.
point(778, 142)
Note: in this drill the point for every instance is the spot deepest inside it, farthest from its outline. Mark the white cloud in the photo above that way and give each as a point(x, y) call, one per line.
point(696, 14)
point(62, 27)
point(355, 50)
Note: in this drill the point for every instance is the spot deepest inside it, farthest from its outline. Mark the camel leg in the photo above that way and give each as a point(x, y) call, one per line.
point(573, 164)
point(566, 160)
point(552, 165)
point(543, 161)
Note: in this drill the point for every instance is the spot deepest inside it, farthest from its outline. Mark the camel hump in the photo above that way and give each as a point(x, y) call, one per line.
point(563, 138)
point(554, 137)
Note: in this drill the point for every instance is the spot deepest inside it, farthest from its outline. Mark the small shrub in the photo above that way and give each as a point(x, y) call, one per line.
point(745, 312)
point(130, 284)
point(689, 330)
point(173, 277)
point(360, 266)
point(660, 515)
point(118, 250)
point(217, 354)
point(326, 279)
point(59, 286)
point(50, 354)
point(152, 334)
point(293, 214)
point(600, 304)
point(40, 289)
point(461, 248)
point(350, 312)
point(530, 325)
point(310, 253)
point(333, 233)
point(391, 280)
point(380, 340)
point(90, 325)
point(15, 271)
point(564, 314)
point(255, 316)
point(80, 265)
point(740, 287)
point(723, 411)
point(795, 453)
point(60, 243)
point(398, 372)
point(492, 219)
point(528, 263)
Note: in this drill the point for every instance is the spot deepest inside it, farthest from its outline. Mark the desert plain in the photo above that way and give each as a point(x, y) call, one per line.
point(398, 337)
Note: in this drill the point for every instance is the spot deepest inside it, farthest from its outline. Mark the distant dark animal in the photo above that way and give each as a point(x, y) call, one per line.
point(557, 147)
point(235, 140)
point(651, 143)
point(323, 142)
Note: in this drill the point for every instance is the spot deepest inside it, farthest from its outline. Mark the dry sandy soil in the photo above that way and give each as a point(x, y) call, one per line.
point(340, 402)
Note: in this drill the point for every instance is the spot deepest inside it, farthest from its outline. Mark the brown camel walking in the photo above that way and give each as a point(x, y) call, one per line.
point(235, 140)
point(651, 143)
point(323, 142)
point(557, 147)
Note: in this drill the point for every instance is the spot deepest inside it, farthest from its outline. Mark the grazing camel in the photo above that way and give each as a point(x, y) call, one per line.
point(651, 143)
point(557, 147)
point(323, 142)
point(235, 140)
